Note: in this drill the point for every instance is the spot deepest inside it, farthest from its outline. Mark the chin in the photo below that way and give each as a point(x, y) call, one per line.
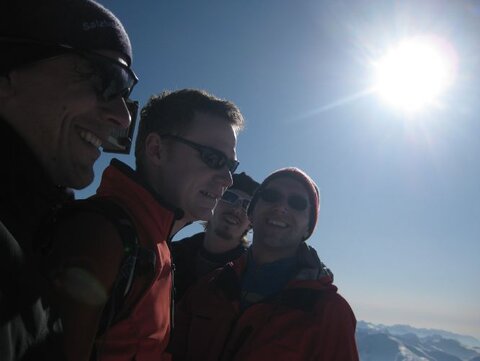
point(80, 181)
point(202, 214)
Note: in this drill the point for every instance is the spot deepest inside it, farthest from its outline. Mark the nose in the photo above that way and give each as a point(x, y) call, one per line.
point(238, 209)
point(281, 205)
point(280, 208)
point(117, 112)
point(226, 177)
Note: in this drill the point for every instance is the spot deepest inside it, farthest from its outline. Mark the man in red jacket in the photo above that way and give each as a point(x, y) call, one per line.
point(277, 302)
point(115, 289)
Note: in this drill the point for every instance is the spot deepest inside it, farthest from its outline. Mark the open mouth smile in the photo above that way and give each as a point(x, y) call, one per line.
point(90, 138)
point(277, 223)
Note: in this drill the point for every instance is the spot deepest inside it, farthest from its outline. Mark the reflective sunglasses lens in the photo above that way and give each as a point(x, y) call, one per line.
point(232, 165)
point(298, 203)
point(234, 199)
point(117, 82)
point(212, 159)
point(215, 159)
point(229, 197)
point(270, 195)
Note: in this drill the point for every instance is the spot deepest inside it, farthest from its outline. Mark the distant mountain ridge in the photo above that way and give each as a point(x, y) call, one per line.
point(406, 343)
point(421, 332)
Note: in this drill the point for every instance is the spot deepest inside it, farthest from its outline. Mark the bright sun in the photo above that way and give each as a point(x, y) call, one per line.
point(414, 74)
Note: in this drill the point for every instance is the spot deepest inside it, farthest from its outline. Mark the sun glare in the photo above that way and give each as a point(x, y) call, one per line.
point(415, 73)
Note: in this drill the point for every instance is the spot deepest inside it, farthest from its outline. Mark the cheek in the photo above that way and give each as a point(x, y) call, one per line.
point(257, 215)
point(246, 223)
point(304, 226)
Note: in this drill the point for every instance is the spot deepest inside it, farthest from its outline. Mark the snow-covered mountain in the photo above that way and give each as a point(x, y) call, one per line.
point(406, 343)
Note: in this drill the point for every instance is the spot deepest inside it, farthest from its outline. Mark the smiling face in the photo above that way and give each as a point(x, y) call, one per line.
point(53, 105)
point(184, 179)
point(278, 229)
point(230, 221)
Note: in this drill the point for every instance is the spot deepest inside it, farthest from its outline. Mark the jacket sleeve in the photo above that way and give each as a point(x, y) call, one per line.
point(336, 339)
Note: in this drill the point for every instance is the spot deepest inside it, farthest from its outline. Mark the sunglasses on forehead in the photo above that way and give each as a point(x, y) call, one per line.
point(115, 79)
point(213, 158)
point(234, 200)
point(294, 201)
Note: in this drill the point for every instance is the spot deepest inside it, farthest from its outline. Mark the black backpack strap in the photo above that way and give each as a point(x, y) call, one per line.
point(136, 259)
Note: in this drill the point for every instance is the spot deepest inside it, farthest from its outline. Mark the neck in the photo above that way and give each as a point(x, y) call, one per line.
point(263, 254)
point(178, 225)
point(215, 244)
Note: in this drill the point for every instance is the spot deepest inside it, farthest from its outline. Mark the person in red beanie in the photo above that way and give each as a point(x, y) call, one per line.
point(277, 302)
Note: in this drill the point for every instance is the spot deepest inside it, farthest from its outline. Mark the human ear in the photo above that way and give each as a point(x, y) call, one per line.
point(154, 148)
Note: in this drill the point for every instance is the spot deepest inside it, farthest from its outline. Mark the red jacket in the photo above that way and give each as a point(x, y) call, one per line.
point(307, 320)
point(144, 333)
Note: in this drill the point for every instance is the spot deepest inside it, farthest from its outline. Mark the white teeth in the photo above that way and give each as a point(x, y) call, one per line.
point(277, 223)
point(90, 138)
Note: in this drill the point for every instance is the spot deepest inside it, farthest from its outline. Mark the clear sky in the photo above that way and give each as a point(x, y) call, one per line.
point(400, 214)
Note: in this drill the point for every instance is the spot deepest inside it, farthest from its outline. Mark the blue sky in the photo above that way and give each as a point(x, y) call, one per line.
point(400, 215)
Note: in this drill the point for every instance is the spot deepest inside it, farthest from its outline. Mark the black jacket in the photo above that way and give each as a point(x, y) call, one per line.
point(28, 330)
point(192, 261)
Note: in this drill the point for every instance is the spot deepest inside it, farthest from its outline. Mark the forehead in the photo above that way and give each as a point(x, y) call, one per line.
point(288, 185)
point(213, 131)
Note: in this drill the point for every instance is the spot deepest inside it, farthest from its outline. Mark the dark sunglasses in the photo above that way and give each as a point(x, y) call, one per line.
point(116, 80)
point(294, 201)
point(212, 157)
point(234, 200)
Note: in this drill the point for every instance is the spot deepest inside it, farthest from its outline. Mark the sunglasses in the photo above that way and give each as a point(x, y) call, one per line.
point(294, 201)
point(115, 80)
point(234, 200)
point(213, 158)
